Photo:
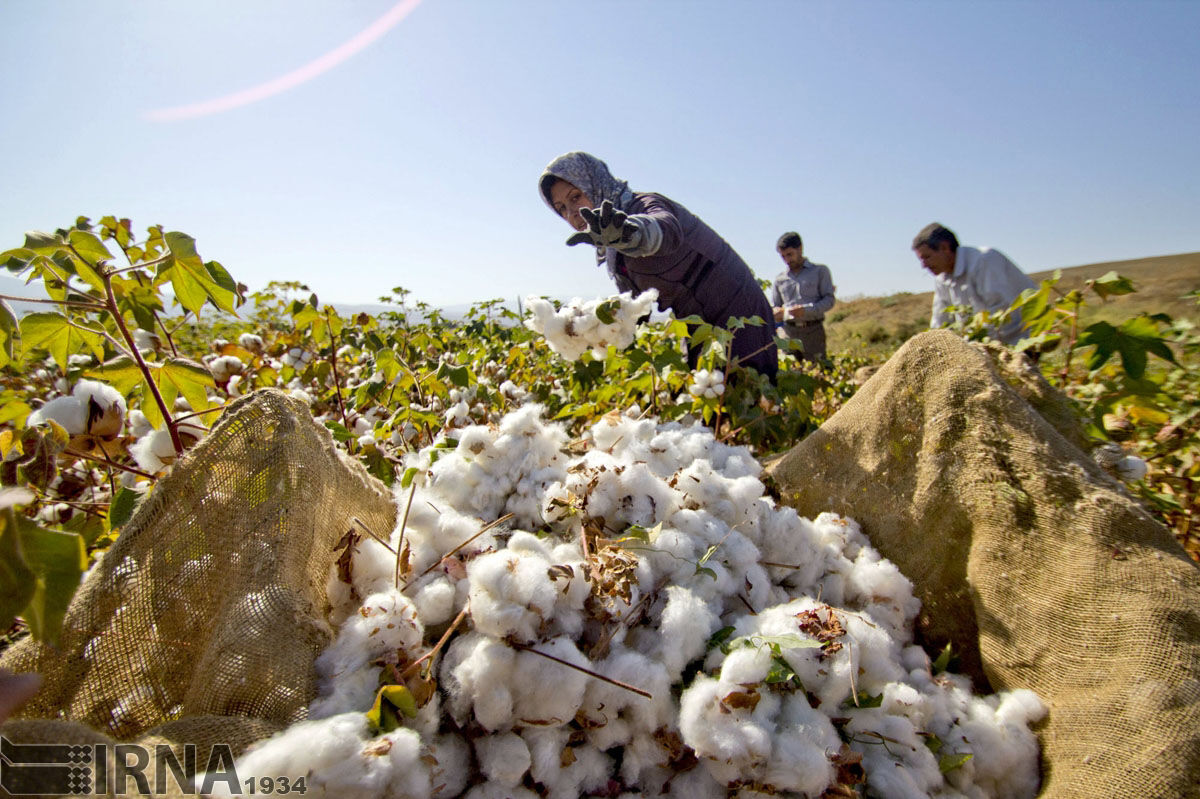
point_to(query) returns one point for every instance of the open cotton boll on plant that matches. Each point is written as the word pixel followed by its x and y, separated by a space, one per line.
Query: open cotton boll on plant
pixel 632 615
pixel 580 327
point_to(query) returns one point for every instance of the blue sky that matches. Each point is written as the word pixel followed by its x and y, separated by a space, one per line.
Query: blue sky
pixel 1059 132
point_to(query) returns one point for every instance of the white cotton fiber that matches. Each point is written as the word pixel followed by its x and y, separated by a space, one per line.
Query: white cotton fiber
pixel 435 601
pixel 541 683
pixel 503 758
pixel 684 629
pixel 338 760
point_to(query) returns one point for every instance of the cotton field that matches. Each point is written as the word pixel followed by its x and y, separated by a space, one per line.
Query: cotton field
pixel 629 615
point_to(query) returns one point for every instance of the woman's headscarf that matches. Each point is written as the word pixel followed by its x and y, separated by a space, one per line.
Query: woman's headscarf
pixel 590 175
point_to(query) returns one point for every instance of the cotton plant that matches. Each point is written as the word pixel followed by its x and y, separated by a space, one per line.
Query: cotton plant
pixel 590 326
pixel 707 384
pixel 629 614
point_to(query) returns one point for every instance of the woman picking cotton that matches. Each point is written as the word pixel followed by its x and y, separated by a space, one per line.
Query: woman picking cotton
pixel 649 241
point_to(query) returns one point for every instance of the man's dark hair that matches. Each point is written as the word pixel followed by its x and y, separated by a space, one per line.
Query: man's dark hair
pixel 790 239
pixel 934 234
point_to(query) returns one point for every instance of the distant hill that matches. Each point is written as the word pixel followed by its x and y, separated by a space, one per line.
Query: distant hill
pixel 877 325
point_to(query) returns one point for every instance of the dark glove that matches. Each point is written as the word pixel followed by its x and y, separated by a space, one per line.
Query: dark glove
pixel 607 227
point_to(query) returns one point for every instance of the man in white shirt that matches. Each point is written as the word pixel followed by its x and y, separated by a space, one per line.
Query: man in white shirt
pixel 967 277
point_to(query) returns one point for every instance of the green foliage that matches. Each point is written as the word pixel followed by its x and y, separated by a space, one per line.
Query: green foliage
pixel 148 316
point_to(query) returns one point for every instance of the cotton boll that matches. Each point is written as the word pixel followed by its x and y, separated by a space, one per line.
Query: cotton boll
pixel 1004 761
pixel 338 760
pixel 503 758
pixel 588 769
pixel 877 586
pixel 792 541
pixel 686 624
pixel 905 768
pixel 696 783
pixel 476 674
pixel 549 692
pixel 153 451
pixel 732 738
pixel 386 622
pixel 251 342
pixel 373 567
pixel 615 714
pixel 436 601
pixel 67 411
pixel 104 406
pixel 224 367
pixel 451 756
pixel 511 595
pixel 746 665
pixel 344 691
pixel 803 741
pixel 139 425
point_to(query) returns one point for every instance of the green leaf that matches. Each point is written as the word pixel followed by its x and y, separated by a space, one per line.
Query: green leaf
pixel 950 762
pixel 122 507
pixel 391 702
pixel 59 336
pixel 304 316
pixel 17 581
pixel 458 375
pixel 780 642
pixel 719 638
pixel 864 699
pixel 8 325
pixel 339 431
pixel 191 280
pixel 409 474
pixel 639 533
pixel 122 373
pixel 222 278
pixel 17 260
pixel 13 409
pixel 43 243
pixel 181 376
pixel 88 247
pixel 59 560
pixel 943 660
pixel 780 672
pixel 606 311
pixel 1111 285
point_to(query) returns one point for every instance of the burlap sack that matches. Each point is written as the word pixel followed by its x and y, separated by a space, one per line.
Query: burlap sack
pixel 1038 566
pixel 201 623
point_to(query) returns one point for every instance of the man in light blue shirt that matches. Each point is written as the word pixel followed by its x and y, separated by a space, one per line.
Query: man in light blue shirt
pixel 801 296
pixel 967 277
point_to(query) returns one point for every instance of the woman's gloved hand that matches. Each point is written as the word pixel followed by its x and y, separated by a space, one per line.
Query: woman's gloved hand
pixel 608 227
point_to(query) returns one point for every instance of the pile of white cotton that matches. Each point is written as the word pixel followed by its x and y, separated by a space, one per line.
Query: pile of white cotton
pixel 645 623
pixel 581 326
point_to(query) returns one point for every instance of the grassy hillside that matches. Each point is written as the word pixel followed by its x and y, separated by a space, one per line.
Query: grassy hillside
pixel 875 326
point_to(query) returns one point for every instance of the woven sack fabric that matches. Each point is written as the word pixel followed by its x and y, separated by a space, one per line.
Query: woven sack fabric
pixel 202 622
pixel 965 469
